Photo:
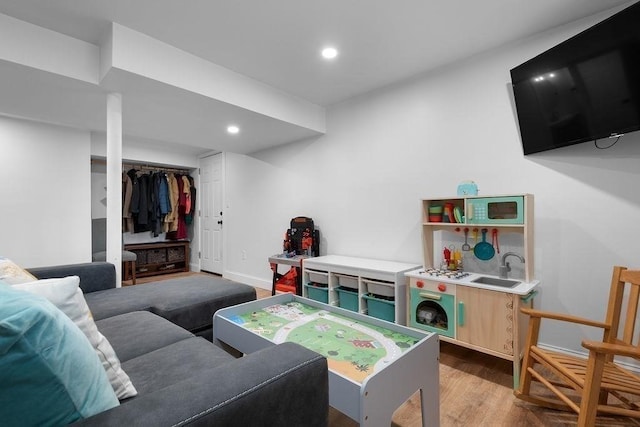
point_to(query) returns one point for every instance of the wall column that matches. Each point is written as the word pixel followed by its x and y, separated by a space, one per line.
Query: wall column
pixel 114 183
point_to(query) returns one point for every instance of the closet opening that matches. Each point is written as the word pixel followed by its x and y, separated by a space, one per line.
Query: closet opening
pixel 158 215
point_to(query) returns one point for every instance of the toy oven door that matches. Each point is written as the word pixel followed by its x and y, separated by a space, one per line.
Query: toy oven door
pixel 432 311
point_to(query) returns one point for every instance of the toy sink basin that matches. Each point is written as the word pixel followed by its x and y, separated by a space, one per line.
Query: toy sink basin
pixel 494 281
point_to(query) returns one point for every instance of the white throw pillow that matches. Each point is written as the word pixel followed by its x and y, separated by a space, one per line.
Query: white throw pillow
pixel 66 294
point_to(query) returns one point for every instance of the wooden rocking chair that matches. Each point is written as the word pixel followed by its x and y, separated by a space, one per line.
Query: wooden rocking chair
pixel 603 386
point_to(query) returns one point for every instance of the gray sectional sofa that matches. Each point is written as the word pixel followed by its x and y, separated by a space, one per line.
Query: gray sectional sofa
pixel 184 379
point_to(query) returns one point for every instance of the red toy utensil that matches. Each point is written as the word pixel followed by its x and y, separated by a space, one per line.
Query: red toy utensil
pixel 494 239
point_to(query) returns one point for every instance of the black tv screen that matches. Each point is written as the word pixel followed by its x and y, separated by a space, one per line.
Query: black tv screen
pixel 584 89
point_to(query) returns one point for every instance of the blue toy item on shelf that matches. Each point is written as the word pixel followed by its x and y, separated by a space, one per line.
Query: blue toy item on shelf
pixel 467 188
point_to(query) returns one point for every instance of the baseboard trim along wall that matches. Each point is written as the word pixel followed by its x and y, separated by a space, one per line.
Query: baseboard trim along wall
pixel 249 280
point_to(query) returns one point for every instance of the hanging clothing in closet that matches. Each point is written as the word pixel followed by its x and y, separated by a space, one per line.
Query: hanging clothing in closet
pixel 141 212
pixel 179 230
pixel 127 192
pixel 130 215
pixel 158 202
pixel 189 215
pixel 171 219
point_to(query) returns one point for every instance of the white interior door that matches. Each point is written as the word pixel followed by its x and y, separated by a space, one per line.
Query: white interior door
pixel 211 217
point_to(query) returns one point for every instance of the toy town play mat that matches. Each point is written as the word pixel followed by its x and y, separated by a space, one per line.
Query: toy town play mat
pixel 354 349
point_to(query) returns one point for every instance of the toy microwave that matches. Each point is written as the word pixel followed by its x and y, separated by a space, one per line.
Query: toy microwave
pixel 495 210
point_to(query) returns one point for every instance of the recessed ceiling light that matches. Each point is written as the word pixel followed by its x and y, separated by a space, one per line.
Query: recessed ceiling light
pixel 233 129
pixel 329 52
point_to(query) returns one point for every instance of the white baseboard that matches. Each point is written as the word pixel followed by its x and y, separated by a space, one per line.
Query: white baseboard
pixel 238 277
pixel 249 280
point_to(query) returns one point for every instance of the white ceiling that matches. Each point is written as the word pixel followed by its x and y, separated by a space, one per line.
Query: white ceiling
pixel 278 42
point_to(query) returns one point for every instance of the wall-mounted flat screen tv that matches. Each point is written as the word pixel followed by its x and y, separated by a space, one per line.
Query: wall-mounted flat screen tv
pixel 584 89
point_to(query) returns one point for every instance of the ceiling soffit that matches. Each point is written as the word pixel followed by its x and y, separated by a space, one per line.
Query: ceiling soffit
pixel 168 94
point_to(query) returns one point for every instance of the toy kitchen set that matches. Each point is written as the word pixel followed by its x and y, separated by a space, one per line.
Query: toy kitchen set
pixel 470 290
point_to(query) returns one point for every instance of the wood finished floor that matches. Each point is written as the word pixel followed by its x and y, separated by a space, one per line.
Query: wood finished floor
pixel 475 390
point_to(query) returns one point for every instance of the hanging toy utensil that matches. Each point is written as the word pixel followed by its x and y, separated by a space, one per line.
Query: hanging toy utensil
pixel 484 250
pixel 466 246
pixel 446 254
pixel 494 239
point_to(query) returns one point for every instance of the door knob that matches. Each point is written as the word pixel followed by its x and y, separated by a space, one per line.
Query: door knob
pixel 220 222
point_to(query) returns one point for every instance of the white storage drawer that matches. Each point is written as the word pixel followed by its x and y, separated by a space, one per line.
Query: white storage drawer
pixel 378 287
pixel 318 276
pixel 347 281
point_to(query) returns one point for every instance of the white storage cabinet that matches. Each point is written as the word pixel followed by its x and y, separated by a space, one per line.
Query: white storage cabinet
pixel 362 277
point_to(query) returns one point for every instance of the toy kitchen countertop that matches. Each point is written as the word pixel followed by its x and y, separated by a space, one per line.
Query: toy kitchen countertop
pixel 475 280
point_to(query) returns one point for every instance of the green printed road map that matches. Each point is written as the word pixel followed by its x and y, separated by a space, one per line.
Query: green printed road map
pixel 354 349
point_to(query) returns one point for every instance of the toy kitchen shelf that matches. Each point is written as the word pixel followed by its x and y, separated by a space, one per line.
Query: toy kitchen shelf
pixel 354 283
pixel 472 213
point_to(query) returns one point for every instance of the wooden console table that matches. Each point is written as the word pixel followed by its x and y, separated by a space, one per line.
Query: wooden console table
pixel 160 257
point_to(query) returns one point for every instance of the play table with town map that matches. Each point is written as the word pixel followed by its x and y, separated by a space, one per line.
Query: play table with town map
pixel 374 365
pixel 352 348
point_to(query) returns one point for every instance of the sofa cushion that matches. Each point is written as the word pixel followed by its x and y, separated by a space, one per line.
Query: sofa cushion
pixel 94 276
pixel 174 363
pixel 65 294
pixel 112 302
pixel 140 332
pixel 50 373
pixel 189 302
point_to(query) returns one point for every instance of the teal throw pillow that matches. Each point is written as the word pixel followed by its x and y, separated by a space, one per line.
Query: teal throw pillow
pixel 50 374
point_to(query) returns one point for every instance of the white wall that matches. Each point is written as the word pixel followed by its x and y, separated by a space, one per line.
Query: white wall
pixel 383 152
pixel 45 201
pixel 49 192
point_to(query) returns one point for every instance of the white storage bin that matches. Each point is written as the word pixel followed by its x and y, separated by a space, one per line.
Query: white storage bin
pixel 386 289
pixel 347 281
pixel 318 276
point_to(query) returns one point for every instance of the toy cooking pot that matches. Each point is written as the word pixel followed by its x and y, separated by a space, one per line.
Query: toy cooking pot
pixel 484 250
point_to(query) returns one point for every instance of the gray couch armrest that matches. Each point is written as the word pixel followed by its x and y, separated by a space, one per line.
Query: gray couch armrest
pixel 285 385
pixel 94 276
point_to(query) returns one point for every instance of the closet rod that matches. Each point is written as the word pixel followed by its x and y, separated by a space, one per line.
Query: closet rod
pixel 141 166
pixel 127 166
